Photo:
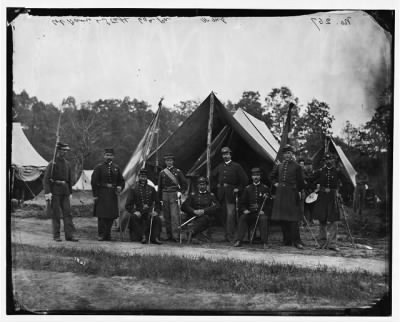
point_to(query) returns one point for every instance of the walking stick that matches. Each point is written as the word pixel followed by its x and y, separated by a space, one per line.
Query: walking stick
pixel 151 225
pixel 179 219
pixel 309 229
pixel 119 218
pixel 237 207
pixel 340 204
pixel 258 217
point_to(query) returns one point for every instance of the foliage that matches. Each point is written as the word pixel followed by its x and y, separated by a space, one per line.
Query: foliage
pixel 313 126
pixel 277 105
pixel 90 127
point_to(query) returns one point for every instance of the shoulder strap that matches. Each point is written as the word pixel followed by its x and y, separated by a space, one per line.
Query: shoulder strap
pixel 172 177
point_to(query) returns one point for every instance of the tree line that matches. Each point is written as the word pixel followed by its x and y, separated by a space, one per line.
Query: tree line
pixel 88 127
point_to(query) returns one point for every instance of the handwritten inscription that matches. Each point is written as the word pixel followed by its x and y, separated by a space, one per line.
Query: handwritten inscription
pixel 318 22
pixel 115 20
pixel 212 19
pixel 73 21
pixel 143 20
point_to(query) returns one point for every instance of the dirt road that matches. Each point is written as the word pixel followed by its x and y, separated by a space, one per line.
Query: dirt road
pixel 35 232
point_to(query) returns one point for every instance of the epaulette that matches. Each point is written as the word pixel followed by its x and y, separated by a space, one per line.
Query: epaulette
pixel 249 185
pixel 193 193
pixel 211 194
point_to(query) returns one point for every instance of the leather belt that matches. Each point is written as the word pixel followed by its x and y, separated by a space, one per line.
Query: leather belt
pixel 219 185
pixel 107 185
pixel 287 185
pixel 326 189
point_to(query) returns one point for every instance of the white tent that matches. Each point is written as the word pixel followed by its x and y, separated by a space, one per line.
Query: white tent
pixel 259 131
pixel 350 171
pixel 26 161
pixel 83 182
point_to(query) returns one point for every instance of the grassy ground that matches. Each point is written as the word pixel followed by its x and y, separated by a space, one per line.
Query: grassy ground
pixel 225 276
pixel 46 278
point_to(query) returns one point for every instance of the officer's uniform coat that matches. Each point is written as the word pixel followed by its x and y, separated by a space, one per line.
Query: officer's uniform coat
pixel 326 207
pixel 105 178
pixel 139 197
pixel 289 175
pixel 206 201
pixel 228 177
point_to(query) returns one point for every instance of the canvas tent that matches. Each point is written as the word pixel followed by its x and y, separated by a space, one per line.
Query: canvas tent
pixel 250 139
pixel 333 148
pixel 83 182
pixel 27 166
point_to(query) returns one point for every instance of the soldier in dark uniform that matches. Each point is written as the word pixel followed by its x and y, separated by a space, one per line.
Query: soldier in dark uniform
pixel 107 183
pixel 143 206
pixel 203 205
pixel 326 209
pixel 309 187
pixel 250 203
pixel 288 179
pixel 171 184
pixel 57 184
pixel 231 180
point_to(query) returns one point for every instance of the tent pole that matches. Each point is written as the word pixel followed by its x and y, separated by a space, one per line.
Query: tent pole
pixel 209 136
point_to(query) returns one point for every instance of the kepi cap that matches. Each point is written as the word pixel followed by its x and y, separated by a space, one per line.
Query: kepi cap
pixel 63 146
pixel 202 180
pixel 287 148
pixel 255 170
pixel 226 149
pixel 169 156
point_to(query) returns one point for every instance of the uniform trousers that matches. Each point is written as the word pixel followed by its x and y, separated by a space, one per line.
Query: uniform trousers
pixel 291 232
pixel 60 205
pixel 328 231
pixel 249 220
pixel 199 224
pixel 229 222
pixel 171 213
pixel 140 227
pixel 104 227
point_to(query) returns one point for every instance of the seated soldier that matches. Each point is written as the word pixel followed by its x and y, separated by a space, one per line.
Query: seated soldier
pixel 202 206
pixel 142 204
pixel 250 203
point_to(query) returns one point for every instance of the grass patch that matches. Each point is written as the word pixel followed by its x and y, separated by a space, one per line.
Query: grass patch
pixel 222 276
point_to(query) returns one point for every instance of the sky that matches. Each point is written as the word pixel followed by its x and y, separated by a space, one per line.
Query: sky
pixel 345 61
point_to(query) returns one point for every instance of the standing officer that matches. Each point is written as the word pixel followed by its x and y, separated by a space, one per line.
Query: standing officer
pixel 231 179
pixel 309 187
pixel 142 204
pixel 203 205
pixel 107 183
pixel 288 179
pixel 58 190
pixel 326 208
pixel 250 204
pixel 171 184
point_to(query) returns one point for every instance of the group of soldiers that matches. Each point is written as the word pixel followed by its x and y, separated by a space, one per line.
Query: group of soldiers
pixel 236 205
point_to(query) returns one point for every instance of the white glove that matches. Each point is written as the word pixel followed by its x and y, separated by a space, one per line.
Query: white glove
pixel 137 214
pixel 154 214
pixel 178 194
pixel 47 196
pixel 246 212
